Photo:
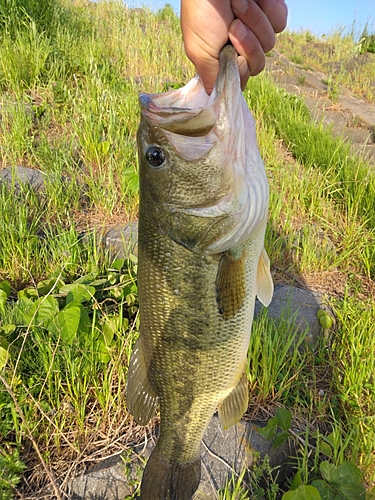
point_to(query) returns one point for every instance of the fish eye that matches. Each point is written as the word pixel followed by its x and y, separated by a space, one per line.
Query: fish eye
pixel 155 156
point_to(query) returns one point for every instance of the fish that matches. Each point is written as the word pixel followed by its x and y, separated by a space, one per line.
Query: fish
pixel 203 208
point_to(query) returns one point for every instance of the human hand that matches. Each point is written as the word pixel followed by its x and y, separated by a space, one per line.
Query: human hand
pixel 249 25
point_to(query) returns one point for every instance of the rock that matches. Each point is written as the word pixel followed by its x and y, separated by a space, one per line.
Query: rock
pixel 23 176
pixel 106 482
pixel 223 453
pixel 121 240
pixel 299 304
pixel 20 177
pixel 226 451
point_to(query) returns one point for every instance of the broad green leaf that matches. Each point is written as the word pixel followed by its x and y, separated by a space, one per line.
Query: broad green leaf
pixel 327 469
pixel 118 264
pixel 284 418
pixel 45 309
pixel 110 327
pixel 325 491
pixel 41 311
pixel 77 292
pixel 331 439
pixel 303 492
pixel 84 322
pixel 4 354
pixel 346 479
pixel 103 147
pixel 23 306
pixel 7 329
pixel 130 299
pixel 65 324
pixel 104 353
pixel 28 293
pixel 45 286
pixel 117 292
pixel 5 286
pixel 279 439
pixel 99 282
pixel 124 278
pixel 297 481
pixel 326 449
pixel 269 431
pixel 3 299
pixel 112 278
pixel 132 180
pixel 133 258
pixel 87 278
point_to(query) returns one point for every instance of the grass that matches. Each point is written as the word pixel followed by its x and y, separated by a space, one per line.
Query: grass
pixel 70 75
pixel 346 56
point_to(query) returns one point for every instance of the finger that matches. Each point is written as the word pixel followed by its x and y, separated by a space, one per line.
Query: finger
pixel 207 71
pixel 276 12
pixel 248 46
pixel 256 21
pixel 244 71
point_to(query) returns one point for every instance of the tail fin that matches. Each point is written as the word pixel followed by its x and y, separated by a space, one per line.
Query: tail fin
pixel 165 481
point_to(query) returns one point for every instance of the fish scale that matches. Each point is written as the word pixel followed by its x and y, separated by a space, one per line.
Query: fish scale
pixel 202 219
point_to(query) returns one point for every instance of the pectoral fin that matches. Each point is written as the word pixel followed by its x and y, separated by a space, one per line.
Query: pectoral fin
pixel 264 288
pixel 141 398
pixel 230 284
pixel 235 405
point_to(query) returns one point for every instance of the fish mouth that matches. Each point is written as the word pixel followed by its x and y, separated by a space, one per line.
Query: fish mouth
pixel 190 111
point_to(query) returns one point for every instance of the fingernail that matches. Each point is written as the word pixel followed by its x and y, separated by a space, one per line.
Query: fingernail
pixel 238 29
pixel 240 5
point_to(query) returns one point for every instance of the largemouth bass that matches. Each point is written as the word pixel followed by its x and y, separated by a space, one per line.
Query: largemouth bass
pixel 202 218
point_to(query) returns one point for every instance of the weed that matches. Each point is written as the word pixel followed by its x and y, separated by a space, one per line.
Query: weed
pixel 344 49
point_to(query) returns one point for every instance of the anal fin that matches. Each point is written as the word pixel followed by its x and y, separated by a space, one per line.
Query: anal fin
pixel 235 404
pixel 141 398
pixel 230 284
pixel 264 287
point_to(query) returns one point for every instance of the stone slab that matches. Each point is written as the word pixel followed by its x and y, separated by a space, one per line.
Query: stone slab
pixel 223 454
pixel 121 240
pixel 23 176
pixel 300 304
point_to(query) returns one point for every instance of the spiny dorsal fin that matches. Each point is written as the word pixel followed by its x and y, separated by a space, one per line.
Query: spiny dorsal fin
pixel 230 284
pixel 141 398
pixel 264 287
pixel 234 405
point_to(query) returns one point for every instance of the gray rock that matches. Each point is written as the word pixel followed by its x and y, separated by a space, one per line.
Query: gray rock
pixel 299 304
pixel 121 240
pixel 224 453
pixel 106 482
pixel 19 177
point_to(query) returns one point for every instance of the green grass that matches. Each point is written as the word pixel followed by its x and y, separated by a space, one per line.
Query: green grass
pixel 345 56
pixel 69 82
